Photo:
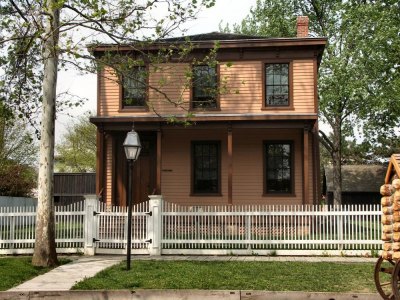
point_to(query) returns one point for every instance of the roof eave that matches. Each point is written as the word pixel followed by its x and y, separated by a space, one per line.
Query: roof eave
pixel 225 44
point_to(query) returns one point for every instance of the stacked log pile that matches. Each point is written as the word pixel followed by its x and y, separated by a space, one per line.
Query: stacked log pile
pixel 391 220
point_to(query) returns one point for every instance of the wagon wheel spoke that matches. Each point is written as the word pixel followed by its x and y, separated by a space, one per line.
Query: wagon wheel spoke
pixel 395 281
pixel 383 275
pixel 386 283
pixel 386 270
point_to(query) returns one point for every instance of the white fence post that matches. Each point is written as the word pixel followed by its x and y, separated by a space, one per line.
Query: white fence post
pixel 91 205
pixel 12 231
pixel 154 224
pixel 248 232
pixel 340 229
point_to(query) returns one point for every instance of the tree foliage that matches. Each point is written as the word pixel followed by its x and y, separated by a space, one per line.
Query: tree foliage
pixel 17 180
pixel 81 23
pixel 18 160
pixel 38 38
pixel 359 74
pixel 77 150
pixel 270 18
pixel 17 143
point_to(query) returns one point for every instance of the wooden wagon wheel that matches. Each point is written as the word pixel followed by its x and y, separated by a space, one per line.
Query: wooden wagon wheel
pixel 383 278
pixel 396 281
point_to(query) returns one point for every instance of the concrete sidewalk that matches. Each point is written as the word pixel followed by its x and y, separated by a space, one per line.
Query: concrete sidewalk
pixel 57 283
pixel 64 277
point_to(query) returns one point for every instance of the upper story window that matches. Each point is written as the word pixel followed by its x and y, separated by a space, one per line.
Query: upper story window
pixel 206 171
pixel 277 85
pixel 278 167
pixel 205 87
pixel 134 88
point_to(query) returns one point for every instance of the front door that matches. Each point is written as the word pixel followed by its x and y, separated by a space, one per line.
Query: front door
pixel 144 170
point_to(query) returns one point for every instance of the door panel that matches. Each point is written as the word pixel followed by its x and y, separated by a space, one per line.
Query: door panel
pixel 144 170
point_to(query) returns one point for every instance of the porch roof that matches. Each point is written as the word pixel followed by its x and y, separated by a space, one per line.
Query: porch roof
pixel 206 117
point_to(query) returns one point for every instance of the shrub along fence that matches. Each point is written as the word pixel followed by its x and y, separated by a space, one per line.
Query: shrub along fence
pixel 159 227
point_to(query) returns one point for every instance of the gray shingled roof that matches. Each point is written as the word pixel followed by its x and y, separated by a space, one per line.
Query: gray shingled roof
pixel 213 36
pixel 358 178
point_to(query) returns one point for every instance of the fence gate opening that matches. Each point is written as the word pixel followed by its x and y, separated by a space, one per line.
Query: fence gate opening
pixel 109 227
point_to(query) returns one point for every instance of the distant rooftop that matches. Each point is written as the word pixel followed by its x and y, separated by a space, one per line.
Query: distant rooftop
pixel 358 178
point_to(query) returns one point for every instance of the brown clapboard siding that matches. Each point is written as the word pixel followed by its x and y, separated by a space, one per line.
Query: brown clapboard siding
pixel 109 93
pixel 247 159
pixel 243 87
pixel 176 166
pixel 242 91
pixel 303 86
pixel 169 79
pixel 248 166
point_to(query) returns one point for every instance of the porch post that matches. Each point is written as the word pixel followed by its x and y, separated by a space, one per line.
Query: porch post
pixel 158 178
pixel 230 165
pixel 99 160
pixel 154 229
pixel 90 233
pixel 305 165
pixel 316 163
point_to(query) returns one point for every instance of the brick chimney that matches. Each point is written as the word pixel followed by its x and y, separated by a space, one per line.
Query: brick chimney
pixel 302 26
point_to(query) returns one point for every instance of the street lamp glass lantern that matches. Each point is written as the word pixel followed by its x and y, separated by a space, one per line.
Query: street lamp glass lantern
pixel 132 145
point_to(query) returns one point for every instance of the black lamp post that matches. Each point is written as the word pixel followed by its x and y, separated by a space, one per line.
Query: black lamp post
pixel 132 149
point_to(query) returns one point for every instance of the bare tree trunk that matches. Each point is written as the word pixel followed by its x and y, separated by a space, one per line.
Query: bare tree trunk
pixel 337 178
pixel 45 247
pixel 2 135
pixel 337 166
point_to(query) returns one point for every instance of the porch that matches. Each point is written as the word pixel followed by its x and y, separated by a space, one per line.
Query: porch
pixel 240 171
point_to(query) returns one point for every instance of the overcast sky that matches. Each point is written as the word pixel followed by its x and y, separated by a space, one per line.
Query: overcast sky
pixel 227 11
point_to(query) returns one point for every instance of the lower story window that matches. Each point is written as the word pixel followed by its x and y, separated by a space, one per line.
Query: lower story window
pixel 278 167
pixel 206 167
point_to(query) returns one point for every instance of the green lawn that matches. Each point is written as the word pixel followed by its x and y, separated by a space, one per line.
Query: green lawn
pixel 16 270
pixel 272 276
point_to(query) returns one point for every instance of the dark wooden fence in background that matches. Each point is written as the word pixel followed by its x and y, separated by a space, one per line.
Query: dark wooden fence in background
pixel 70 187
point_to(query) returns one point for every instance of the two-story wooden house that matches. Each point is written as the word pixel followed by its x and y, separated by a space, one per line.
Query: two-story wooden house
pixel 253 142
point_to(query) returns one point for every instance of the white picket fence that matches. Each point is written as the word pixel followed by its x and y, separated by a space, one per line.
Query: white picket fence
pixel 17 228
pixel 265 230
pixel 159 227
